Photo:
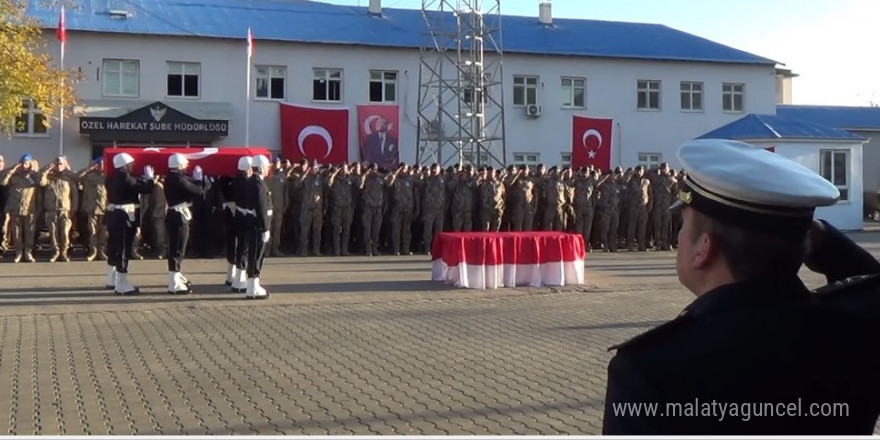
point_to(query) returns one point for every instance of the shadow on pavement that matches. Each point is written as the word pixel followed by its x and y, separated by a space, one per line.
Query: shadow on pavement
pixel 615 325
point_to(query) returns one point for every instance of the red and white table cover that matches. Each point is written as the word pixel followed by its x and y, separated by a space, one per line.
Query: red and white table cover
pixel 489 260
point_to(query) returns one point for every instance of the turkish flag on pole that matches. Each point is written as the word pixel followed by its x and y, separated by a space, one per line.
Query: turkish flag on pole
pixel 316 134
pixel 61 32
pixel 591 142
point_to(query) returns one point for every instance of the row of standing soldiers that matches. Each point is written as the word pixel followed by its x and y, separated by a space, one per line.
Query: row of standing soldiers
pixel 360 208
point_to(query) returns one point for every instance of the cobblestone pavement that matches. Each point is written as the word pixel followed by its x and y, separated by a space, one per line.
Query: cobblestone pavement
pixel 344 346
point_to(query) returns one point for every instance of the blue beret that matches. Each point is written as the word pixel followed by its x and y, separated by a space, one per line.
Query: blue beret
pixel 26 157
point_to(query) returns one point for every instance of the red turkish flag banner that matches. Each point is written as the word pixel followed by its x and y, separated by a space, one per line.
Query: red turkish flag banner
pixel 61 31
pixel 379 135
pixel 215 162
pixel 591 142
pixel 316 134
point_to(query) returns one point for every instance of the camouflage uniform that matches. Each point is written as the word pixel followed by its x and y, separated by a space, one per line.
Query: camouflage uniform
pixel 639 199
pixel 373 194
pixel 608 207
pixel 21 205
pixel 433 212
pixel 662 219
pixel 312 213
pixel 402 212
pixel 555 201
pixel 93 203
pixel 291 230
pixel 277 184
pixel 462 205
pixel 538 183
pixel 60 199
pixel 492 205
pixel 522 202
pixel 342 212
pixel 583 206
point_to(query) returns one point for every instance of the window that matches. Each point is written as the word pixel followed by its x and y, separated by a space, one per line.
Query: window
pixel 383 86
pixel 650 160
pixel 691 96
pixel 648 95
pixel 183 79
pixel 530 159
pixel 31 121
pixel 573 92
pixel 834 166
pixel 327 85
pixel 525 90
pixel 469 157
pixel 270 82
pixel 732 97
pixel 566 160
pixel 120 78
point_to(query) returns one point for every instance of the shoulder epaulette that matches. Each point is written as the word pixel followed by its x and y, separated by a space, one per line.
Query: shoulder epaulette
pixel 661 329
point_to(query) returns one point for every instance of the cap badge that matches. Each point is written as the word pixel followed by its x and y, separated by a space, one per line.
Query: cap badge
pixel 685 196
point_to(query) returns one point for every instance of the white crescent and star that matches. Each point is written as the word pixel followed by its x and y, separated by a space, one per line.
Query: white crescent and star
pixel 592 132
pixel 315 130
pixel 205 153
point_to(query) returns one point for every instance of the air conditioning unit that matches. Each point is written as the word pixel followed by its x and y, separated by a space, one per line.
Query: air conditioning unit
pixel 533 110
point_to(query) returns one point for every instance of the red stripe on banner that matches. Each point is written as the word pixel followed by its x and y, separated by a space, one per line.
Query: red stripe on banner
pixel 523 248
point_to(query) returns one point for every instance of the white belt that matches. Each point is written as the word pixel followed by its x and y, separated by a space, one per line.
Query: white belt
pixel 246 211
pixel 129 208
pixel 183 209
pixel 230 206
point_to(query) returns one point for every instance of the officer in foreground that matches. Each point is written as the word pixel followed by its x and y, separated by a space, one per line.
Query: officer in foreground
pixel 123 219
pixel 180 191
pixel 755 336
pixel 238 189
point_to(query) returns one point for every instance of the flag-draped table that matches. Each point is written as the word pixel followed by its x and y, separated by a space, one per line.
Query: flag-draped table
pixel 489 260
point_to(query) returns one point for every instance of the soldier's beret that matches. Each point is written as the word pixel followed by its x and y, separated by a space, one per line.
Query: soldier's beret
pixel 750 187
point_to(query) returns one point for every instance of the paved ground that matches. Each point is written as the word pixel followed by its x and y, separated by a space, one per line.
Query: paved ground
pixel 345 346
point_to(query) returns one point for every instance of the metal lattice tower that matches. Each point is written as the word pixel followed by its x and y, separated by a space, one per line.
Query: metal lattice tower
pixel 461 97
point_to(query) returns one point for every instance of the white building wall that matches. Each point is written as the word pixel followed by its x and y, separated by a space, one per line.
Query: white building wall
pixel 845 215
pixel 611 92
pixel 871 156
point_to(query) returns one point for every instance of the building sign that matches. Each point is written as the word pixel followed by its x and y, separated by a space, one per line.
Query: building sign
pixel 155 122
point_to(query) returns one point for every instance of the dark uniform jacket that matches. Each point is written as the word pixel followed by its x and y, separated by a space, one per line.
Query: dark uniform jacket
pixel 181 189
pixel 259 200
pixel 124 189
pixel 773 349
pixel 238 190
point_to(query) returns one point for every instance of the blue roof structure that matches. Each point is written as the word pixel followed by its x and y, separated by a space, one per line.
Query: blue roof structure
pixel 845 118
pixel 771 127
pixel 316 22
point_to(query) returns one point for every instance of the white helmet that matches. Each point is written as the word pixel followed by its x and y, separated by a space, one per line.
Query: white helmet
pixel 121 160
pixel 245 163
pixel 177 161
pixel 261 161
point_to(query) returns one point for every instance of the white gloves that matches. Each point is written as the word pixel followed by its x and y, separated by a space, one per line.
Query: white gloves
pixel 266 237
pixel 198 175
pixel 149 173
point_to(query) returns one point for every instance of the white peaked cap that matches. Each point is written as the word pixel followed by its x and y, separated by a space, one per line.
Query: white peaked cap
pixel 244 163
pixel 122 159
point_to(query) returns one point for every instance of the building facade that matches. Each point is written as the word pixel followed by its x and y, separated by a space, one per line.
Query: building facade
pixel 138 73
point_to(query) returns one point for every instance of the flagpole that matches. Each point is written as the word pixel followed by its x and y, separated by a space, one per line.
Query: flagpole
pixel 61 117
pixel 247 98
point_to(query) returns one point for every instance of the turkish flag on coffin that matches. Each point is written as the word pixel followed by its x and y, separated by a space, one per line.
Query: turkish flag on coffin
pixel 214 161
pixel 316 134
pixel 591 142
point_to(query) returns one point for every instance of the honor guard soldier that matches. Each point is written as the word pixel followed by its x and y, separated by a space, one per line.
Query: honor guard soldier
pixel 755 337
pixel 258 210
pixel 238 190
pixel 180 191
pixel 123 219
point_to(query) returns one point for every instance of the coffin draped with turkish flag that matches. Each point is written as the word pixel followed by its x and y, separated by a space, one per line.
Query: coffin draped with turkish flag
pixel 591 142
pixel 222 161
pixel 315 134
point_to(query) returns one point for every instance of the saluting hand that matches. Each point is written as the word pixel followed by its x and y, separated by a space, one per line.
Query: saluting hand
pixel 149 173
pixel 198 175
